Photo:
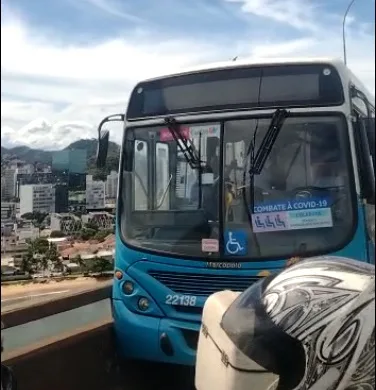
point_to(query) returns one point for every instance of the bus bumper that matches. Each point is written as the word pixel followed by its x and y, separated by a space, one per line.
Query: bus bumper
pixel 154 339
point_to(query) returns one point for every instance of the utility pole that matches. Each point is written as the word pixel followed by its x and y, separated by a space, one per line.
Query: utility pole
pixel 343 30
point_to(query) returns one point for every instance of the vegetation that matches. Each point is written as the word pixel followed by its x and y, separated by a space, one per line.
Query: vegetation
pixel 40 256
pixel 98 264
pixel 57 234
pixel 27 154
pixel 101 265
pixel 79 261
pixel 91 231
pixel 88 232
pixel 36 217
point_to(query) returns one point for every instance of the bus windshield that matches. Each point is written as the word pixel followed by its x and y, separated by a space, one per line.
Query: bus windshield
pixel 166 206
pixel 302 199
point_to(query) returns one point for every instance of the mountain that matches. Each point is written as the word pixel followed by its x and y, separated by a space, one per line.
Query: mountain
pixel 31 156
pixel 27 154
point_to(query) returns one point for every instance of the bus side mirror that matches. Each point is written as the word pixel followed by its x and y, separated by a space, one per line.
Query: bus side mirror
pixel 102 150
pixel 103 138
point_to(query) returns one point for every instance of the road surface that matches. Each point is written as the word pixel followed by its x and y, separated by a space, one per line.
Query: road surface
pixel 31 294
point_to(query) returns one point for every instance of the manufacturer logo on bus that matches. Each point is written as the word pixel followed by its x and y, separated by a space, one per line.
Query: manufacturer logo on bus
pixel 223 265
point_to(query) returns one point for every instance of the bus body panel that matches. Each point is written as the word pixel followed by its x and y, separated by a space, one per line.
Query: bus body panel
pixel 165 279
pixel 138 335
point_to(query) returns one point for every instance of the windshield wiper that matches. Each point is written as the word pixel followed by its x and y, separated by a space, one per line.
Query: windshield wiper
pixel 263 152
pixel 256 163
pixel 191 155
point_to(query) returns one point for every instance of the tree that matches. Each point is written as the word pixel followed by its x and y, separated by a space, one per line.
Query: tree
pixel 27 262
pixel 39 254
pixel 28 216
pixel 87 234
pixel 91 225
pixel 101 264
pixel 81 262
pixel 57 234
pixel 112 163
pixel 40 245
pixel 36 218
pixel 101 235
pixel 100 174
pixel 52 253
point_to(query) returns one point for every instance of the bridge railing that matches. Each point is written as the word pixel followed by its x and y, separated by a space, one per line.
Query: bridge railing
pixel 62 344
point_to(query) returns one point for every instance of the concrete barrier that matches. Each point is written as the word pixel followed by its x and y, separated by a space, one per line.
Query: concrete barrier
pixel 37 311
pixel 83 359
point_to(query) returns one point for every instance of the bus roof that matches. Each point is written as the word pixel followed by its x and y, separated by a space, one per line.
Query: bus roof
pixel 346 74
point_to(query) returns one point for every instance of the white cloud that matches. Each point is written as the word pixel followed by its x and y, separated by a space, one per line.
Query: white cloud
pixel 297 13
pixel 109 7
pixel 74 86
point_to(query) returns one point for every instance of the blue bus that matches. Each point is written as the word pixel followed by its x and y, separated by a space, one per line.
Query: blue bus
pixel 227 174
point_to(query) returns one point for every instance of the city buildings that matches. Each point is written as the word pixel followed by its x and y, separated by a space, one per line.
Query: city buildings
pixel 95 193
pixel 102 219
pixel 111 186
pixel 37 198
pixel 67 223
pixel 64 192
pixel 8 184
pixel 61 198
pixel 72 161
pixel 9 211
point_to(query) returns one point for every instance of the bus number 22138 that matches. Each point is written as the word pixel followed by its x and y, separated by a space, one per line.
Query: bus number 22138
pixel 180 300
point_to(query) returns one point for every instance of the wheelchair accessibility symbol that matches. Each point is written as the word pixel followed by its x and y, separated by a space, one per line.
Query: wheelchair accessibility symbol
pixel 236 243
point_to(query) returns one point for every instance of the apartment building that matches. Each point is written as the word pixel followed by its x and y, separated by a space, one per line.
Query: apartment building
pixel 95 193
pixel 37 198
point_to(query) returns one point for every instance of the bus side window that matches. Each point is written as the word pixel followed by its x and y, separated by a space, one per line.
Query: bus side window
pixel 370 126
pixel 140 178
pixel 364 153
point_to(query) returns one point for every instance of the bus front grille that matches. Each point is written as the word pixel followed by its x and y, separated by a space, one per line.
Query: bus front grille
pixel 202 284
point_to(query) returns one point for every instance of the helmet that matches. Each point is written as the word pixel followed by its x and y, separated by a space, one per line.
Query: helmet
pixel 312 325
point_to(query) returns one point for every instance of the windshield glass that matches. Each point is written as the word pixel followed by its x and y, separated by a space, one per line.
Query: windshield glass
pixel 302 201
pixel 302 198
pixel 167 208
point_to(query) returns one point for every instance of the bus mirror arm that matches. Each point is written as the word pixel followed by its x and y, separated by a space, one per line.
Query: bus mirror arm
pixel 104 137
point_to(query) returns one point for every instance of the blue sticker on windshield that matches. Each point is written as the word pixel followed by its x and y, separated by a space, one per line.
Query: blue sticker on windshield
pixel 292 215
pixel 236 242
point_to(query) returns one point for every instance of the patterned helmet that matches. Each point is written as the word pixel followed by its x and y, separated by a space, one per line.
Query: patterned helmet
pixel 313 325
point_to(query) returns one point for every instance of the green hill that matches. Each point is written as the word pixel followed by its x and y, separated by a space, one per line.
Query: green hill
pixel 32 156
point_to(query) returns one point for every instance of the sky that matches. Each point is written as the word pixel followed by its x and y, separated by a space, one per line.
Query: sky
pixel 66 64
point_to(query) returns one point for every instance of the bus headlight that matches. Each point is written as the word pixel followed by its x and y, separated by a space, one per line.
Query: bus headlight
pixel 128 287
pixel 143 304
